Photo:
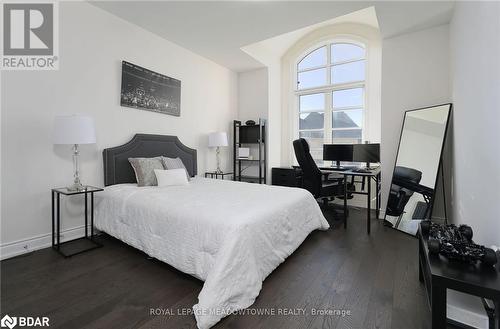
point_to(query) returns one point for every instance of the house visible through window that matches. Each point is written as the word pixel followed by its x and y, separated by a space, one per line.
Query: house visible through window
pixel 330 91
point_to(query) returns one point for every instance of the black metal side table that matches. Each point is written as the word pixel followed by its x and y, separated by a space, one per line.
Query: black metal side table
pixel 216 175
pixel 79 245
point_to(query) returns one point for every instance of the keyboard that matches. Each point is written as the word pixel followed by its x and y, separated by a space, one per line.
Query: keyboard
pixel 335 168
pixel 362 170
pixel 339 168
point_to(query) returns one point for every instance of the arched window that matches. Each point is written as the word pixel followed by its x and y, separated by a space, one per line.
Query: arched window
pixel 330 95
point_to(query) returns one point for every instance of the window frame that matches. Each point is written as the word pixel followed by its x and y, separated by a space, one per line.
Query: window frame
pixel 329 88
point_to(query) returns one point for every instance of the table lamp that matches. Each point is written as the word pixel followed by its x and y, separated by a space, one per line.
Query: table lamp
pixel 217 139
pixel 74 130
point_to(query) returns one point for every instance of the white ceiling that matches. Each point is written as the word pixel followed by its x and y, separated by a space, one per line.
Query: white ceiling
pixel 266 51
pixel 218 30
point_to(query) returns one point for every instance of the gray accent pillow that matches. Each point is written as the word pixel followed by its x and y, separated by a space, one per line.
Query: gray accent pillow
pixel 171 163
pixel 144 169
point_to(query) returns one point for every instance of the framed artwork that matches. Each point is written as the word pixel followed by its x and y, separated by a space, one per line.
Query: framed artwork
pixel 147 90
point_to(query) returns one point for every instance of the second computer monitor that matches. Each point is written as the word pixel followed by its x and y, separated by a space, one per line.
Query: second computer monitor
pixel 337 152
pixel 369 153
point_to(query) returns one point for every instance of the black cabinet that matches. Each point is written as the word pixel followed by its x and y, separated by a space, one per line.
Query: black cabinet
pixel 288 176
pixel 252 134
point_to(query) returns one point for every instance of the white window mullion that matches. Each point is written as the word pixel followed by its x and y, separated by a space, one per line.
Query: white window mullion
pixel 349 61
pixel 330 96
pixel 328 61
pixel 311 69
pixel 328 121
pixel 328 118
pixel 364 122
pixel 313 110
pixel 339 86
pixel 348 108
pixel 311 129
pixel 348 128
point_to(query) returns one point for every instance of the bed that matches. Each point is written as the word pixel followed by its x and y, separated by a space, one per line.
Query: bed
pixel 231 235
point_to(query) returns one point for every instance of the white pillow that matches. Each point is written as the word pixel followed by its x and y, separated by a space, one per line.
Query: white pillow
pixel 171 177
pixel 171 163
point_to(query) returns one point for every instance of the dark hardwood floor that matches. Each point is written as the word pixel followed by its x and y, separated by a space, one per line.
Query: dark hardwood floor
pixel 374 277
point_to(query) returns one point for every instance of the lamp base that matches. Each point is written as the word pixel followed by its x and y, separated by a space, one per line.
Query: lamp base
pixel 218 171
pixel 76 187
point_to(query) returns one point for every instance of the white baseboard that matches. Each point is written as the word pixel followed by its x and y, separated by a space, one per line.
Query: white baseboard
pixel 19 247
pixel 470 318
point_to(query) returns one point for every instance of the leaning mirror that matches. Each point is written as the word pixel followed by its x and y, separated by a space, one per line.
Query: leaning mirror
pixel 415 174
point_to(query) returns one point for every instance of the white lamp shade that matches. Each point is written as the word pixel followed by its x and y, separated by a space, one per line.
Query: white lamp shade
pixel 217 139
pixel 73 129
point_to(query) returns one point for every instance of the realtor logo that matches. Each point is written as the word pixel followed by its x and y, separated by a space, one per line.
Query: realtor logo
pixel 28 29
pixel 29 36
pixel 8 321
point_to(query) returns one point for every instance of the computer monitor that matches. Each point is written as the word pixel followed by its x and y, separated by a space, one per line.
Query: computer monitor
pixel 337 152
pixel 369 153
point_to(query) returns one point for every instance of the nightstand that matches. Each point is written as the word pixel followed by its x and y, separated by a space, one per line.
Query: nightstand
pixel 79 245
pixel 213 174
pixel 440 274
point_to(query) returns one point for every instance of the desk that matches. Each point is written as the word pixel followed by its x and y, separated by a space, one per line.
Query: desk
pixel 286 176
pixel 439 274
pixel 374 174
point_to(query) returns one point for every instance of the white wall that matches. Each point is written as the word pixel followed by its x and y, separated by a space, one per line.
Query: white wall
pixel 92 45
pixel 475 48
pixel 252 105
pixel 275 119
pixel 475 77
pixel 415 73
pixel 252 95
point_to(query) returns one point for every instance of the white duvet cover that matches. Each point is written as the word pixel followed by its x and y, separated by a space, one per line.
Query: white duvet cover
pixel 229 234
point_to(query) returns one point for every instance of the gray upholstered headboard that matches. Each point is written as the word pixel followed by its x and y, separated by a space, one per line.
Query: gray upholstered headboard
pixel 117 169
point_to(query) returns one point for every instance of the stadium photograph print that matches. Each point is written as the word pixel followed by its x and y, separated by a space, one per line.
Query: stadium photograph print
pixel 150 91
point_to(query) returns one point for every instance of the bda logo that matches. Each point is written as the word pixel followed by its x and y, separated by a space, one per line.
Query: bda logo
pixel 8 321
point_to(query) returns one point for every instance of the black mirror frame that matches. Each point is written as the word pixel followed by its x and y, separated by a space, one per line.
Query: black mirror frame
pixel 450 109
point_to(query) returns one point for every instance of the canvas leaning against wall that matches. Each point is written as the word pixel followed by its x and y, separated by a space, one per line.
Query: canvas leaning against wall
pixel 147 90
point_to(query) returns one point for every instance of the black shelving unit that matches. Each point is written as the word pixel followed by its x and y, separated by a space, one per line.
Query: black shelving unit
pixel 253 137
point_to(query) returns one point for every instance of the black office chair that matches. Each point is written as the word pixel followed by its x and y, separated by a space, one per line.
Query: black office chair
pixel 398 195
pixel 312 178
